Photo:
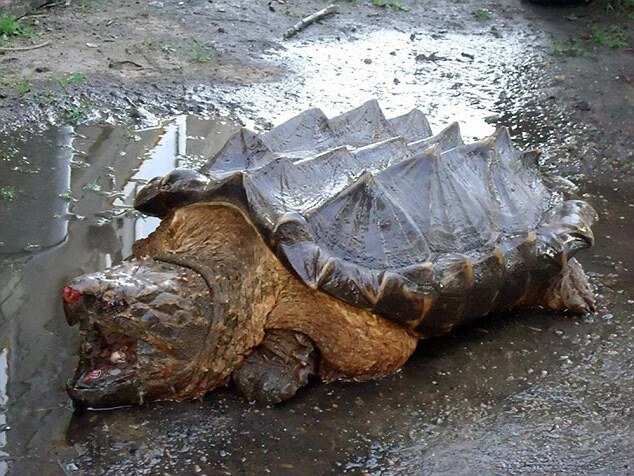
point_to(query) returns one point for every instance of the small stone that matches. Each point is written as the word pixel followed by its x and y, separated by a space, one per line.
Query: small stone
pixel 367 61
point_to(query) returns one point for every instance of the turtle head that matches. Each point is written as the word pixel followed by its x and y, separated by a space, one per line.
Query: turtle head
pixel 144 328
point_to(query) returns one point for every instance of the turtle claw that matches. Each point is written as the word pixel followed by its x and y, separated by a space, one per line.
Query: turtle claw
pixel 571 291
pixel 278 368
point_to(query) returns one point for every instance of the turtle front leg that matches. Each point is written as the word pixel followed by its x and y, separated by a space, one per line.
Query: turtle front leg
pixel 571 291
pixel 276 369
pixel 353 343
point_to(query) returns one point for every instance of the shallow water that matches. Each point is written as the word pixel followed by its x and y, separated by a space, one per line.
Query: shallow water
pixel 449 76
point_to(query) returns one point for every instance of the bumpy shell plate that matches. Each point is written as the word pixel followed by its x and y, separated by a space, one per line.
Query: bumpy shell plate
pixel 386 216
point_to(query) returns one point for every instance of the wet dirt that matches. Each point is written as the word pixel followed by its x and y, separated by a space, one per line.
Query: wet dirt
pixel 533 393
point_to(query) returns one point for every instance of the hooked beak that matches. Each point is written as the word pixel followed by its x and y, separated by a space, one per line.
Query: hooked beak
pixel 106 374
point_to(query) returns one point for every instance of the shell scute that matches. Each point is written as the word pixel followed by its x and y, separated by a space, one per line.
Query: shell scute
pixel 359 206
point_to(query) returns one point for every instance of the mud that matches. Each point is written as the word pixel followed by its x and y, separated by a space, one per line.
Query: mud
pixel 533 393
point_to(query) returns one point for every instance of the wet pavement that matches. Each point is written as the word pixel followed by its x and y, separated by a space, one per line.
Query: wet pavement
pixel 515 394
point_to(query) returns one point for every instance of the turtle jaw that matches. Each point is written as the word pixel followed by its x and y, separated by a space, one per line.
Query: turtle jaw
pixel 145 334
pixel 121 361
pixel 102 387
pixel 108 370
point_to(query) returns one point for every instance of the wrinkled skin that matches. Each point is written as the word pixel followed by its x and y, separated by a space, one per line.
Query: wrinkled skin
pixel 142 325
pixel 180 319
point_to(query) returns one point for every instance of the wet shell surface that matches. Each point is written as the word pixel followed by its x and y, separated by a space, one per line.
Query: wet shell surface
pixel 422 229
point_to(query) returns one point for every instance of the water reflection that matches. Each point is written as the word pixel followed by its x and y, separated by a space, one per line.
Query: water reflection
pixel 68 213
pixel 35 190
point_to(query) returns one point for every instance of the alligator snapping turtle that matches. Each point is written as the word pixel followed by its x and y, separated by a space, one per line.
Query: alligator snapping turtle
pixel 323 247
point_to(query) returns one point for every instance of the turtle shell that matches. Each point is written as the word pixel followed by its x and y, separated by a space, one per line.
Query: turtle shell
pixel 384 215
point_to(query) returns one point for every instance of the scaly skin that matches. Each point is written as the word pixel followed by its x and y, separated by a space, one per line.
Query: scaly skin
pixel 250 292
pixel 571 291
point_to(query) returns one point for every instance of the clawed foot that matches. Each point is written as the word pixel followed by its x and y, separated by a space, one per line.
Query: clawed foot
pixel 572 291
pixel 277 368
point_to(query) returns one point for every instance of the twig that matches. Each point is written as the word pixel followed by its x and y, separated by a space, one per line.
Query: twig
pixel 304 22
pixel 24 48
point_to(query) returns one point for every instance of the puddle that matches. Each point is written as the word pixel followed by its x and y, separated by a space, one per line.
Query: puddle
pixel 450 77
pixel 91 176
pixel 68 213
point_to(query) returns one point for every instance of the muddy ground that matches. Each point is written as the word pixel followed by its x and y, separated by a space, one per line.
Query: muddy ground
pixel 127 90
pixel 540 69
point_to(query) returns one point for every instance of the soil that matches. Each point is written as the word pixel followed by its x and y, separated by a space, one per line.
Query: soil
pixel 126 91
